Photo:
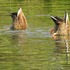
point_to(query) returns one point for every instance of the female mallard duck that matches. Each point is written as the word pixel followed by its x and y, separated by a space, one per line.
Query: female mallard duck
pixel 62 26
pixel 19 21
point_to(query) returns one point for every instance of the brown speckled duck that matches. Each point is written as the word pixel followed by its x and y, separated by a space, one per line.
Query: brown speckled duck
pixel 19 21
pixel 62 26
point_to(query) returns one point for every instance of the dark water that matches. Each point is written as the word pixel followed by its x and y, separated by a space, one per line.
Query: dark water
pixel 33 49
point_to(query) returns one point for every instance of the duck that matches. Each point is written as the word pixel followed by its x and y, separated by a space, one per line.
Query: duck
pixel 19 21
pixel 62 25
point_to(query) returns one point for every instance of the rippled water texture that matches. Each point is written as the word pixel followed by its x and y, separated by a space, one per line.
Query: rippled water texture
pixel 33 49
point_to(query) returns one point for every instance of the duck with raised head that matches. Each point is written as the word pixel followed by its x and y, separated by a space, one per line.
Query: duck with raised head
pixel 19 21
pixel 62 26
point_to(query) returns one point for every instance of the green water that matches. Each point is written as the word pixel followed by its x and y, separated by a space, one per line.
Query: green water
pixel 33 49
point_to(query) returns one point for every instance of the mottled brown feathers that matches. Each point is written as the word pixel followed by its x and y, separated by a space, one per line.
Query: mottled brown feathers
pixel 19 21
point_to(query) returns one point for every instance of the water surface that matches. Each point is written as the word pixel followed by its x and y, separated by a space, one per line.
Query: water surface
pixel 33 49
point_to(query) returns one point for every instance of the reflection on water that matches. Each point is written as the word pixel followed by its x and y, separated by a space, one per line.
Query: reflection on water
pixel 33 49
pixel 62 44
pixel 24 49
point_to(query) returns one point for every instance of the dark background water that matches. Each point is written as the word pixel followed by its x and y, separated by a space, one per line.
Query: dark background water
pixel 33 49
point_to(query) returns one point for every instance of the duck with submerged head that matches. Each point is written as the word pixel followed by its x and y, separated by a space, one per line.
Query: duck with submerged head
pixel 19 21
pixel 61 27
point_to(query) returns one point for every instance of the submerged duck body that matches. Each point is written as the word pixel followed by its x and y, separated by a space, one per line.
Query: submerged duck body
pixel 62 26
pixel 19 21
